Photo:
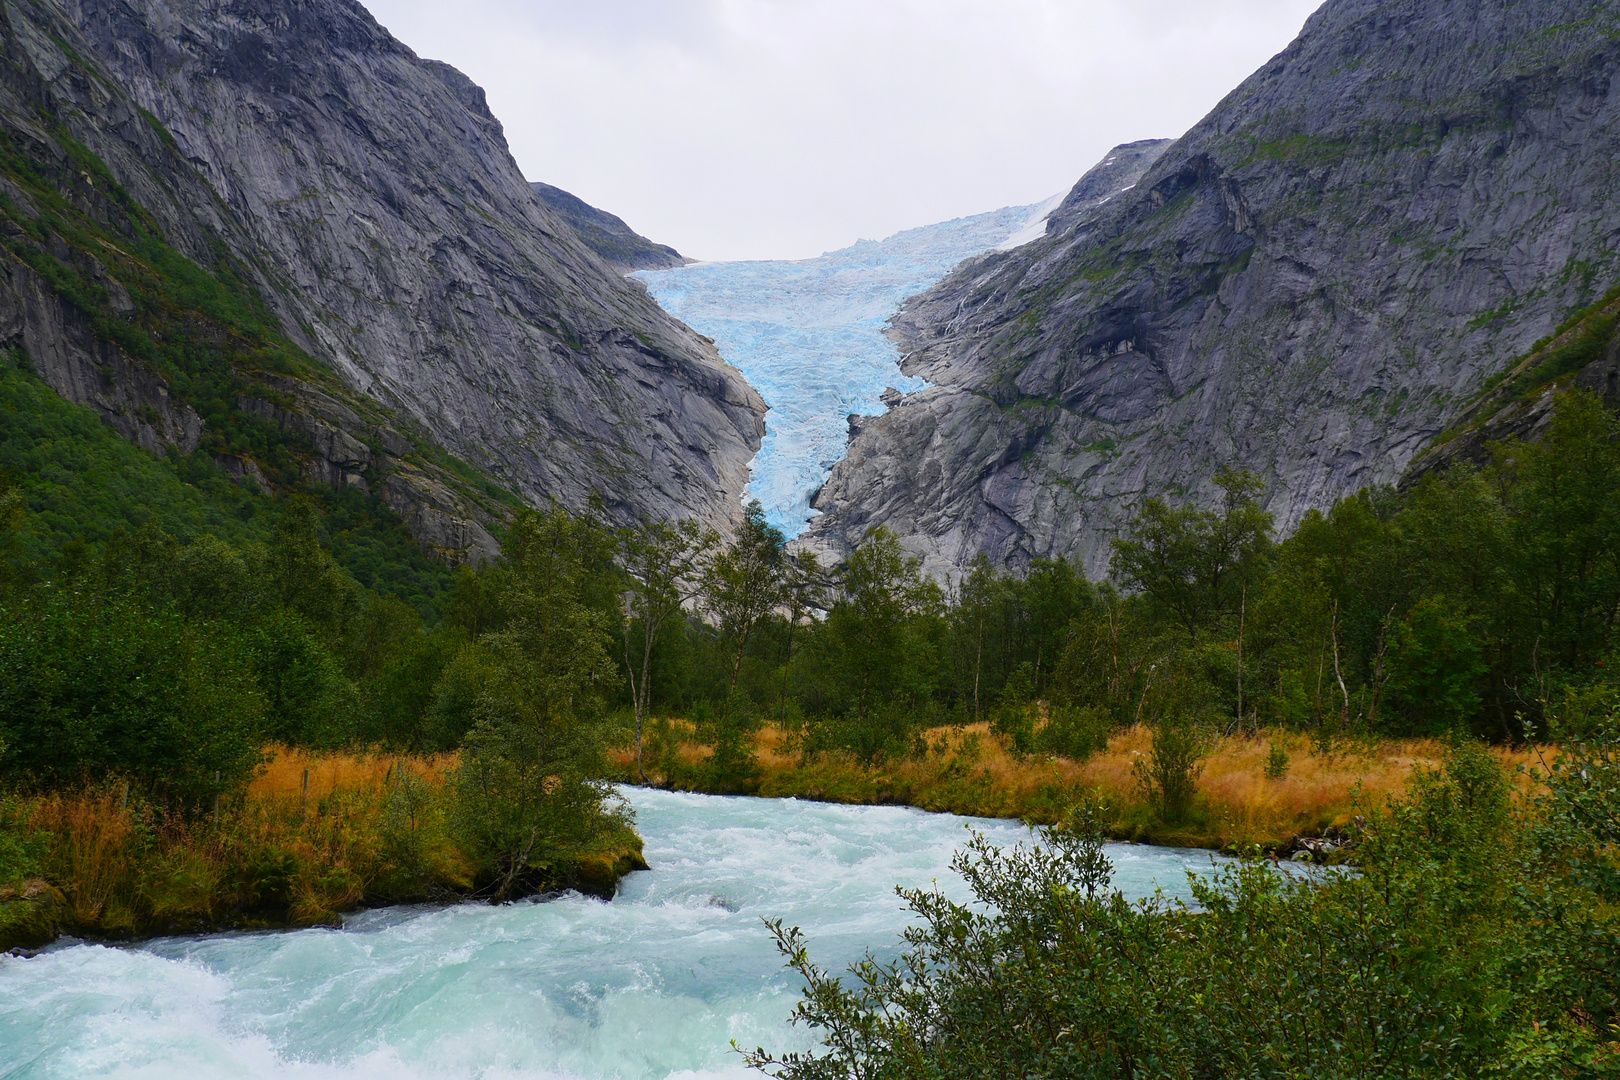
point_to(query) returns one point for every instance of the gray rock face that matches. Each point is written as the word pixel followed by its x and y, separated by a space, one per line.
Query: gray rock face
pixel 55 105
pixel 1523 404
pixel 399 243
pixel 65 352
pixel 1118 172
pixel 614 242
pixel 1307 284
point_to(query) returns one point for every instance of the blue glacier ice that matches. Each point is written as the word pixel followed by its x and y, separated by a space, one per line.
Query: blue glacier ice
pixel 809 335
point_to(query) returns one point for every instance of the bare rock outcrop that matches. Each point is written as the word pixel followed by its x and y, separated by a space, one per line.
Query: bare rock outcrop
pixel 1307 284
pixel 412 255
pixel 614 242
pixel 369 198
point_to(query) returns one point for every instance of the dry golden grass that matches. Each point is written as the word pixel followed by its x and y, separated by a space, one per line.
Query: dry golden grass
pixel 96 830
pixel 331 771
pixel 274 854
pixel 968 770
pixel 267 858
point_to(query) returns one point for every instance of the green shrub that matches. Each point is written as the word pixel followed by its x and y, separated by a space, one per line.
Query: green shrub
pixel 1464 946
pixel 1014 717
pixel 1075 732
pixel 94 685
pixel 1168 775
pixel 21 849
pixel 732 766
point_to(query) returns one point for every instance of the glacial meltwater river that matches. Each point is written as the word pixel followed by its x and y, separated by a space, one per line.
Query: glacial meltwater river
pixel 655 984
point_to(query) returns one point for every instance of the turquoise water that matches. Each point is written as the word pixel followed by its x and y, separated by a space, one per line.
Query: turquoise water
pixel 655 984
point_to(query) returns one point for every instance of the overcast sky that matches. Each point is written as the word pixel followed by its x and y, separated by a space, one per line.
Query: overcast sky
pixel 746 129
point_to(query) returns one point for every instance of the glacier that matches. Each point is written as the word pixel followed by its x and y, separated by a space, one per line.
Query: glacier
pixel 808 334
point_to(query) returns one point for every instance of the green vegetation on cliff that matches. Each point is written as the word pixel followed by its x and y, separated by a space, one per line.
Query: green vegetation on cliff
pixel 83 485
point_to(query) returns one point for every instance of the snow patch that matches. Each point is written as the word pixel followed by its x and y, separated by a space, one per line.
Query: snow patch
pixel 1035 227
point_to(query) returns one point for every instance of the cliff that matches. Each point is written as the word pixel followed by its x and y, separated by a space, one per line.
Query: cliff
pixel 1520 401
pixel 1309 283
pixel 272 232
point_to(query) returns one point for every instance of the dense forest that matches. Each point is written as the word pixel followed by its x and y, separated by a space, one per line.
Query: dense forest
pixel 170 648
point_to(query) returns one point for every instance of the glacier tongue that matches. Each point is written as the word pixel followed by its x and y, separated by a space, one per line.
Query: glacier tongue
pixel 808 334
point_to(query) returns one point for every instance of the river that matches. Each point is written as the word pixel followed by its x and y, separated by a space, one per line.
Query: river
pixel 655 984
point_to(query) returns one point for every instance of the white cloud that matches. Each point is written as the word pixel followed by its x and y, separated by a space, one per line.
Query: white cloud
pixel 784 128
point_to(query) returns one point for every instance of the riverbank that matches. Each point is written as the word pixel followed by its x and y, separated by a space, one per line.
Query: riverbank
pixel 1310 791
pixel 318 835
pixel 312 837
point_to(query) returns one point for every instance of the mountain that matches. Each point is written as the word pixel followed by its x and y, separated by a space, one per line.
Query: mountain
pixel 1520 401
pixel 614 242
pixel 809 333
pixel 1310 283
pixel 270 233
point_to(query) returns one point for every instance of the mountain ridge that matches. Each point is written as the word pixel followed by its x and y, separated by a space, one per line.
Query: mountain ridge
pixel 1303 285
pixel 614 242
pixel 368 199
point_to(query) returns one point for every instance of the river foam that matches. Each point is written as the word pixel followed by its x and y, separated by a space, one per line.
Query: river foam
pixel 654 985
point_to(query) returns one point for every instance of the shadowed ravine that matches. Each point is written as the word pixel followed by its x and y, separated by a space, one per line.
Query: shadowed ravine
pixel 655 984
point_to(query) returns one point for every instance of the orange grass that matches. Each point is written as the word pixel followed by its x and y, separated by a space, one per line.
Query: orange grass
pixel 328 772
pixel 124 866
pixel 968 770
pixel 276 854
pixel 119 866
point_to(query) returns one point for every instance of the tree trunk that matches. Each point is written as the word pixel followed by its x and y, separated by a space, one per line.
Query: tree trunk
pixel 786 664
pixel 645 694
pixel 1344 716
pixel 736 665
pixel 1243 606
pixel 978 668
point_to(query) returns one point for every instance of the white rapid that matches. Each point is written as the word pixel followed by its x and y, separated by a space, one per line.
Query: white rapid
pixel 655 984
pixel 809 335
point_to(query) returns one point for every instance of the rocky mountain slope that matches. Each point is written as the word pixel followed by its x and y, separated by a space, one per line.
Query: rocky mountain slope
pixel 614 242
pixel 1520 401
pixel 1308 284
pixel 809 333
pixel 272 232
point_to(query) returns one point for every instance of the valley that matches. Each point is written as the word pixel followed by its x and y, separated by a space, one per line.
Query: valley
pixel 446 632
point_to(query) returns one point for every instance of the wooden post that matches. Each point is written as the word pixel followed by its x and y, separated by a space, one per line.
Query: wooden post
pixel 216 798
pixel 306 795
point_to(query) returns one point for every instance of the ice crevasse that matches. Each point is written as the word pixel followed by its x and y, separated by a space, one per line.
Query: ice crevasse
pixel 809 335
